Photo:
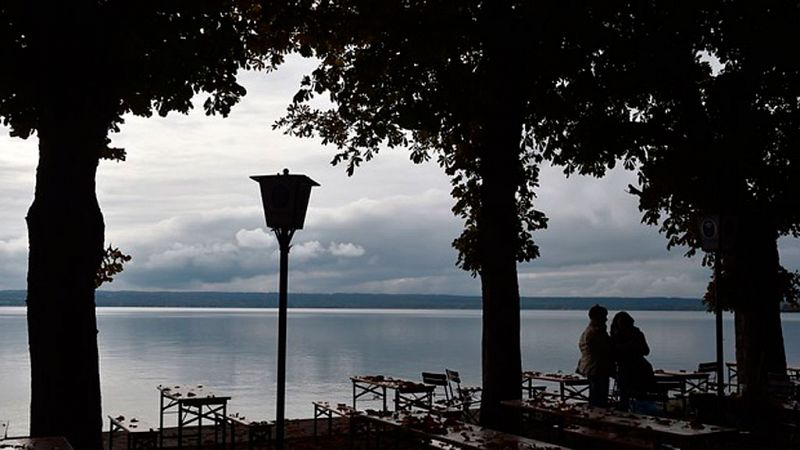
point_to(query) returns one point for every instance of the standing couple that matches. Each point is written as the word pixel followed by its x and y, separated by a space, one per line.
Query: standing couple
pixel 621 355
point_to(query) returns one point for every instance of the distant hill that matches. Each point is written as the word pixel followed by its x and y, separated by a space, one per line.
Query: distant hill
pixel 373 301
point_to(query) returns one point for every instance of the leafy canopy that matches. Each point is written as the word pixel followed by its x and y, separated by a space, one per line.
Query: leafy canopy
pixel 702 98
pixel 416 74
pixel 119 57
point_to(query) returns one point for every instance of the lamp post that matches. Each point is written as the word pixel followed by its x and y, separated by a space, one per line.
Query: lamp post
pixel 285 200
pixel 710 239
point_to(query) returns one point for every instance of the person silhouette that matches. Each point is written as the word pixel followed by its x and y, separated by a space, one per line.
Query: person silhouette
pixel 634 374
pixel 595 362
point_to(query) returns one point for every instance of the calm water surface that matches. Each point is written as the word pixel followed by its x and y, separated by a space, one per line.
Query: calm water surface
pixel 232 351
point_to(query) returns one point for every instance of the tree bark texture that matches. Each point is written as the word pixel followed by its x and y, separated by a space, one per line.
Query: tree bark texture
pixel 753 266
pixel 65 232
pixel 501 174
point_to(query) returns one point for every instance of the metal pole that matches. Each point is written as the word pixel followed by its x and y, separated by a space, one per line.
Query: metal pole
pixel 718 314
pixel 284 238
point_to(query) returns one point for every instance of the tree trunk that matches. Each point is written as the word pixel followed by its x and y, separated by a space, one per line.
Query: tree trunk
pixel 753 271
pixel 500 171
pixel 65 224
pixel 65 231
pixel 501 354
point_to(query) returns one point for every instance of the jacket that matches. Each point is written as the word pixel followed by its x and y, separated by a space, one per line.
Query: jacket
pixel 595 345
pixel 634 372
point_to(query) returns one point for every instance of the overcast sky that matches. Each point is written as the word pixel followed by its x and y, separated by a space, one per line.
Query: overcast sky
pixel 184 207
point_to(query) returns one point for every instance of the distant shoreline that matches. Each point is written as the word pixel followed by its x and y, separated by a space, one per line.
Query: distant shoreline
pixel 202 299
pixel 362 301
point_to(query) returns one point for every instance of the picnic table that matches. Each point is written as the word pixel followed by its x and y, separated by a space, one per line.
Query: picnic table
pixel 140 435
pixel 688 381
pixel 733 376
pixel 792 372
pixel 37 443
pixel 570 387
pixel 658 430
pixel 192 404
pixel 258 432
pixel 406 393
pixel 323 409
pixel 682 383
pixel 789 411
pixel 435 429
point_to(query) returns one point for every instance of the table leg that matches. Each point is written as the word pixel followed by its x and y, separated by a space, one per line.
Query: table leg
pixel 180 425
pixel 224 428
pixel 316 416
pixel 110 434
pixel 200 427
pixel 232 423
pixel 161 421
pixel 684 392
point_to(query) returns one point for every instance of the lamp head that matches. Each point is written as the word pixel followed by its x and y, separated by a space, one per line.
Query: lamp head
pixel 285 199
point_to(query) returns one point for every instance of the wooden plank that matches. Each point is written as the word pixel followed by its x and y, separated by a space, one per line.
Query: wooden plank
pixel 140 435
pixel 258 432
pixel 456 433
pixel 38 443
pixel 617 440
pixel 656 428
pixel 132 424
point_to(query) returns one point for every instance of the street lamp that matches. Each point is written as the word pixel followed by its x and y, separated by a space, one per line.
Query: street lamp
pixel 285 200
pixel 710 242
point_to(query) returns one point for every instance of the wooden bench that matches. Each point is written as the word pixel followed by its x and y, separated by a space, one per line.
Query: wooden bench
pixel 464 411
pixel 440 445
pixel 438 432
pixel 327 411
pixel 259 433
pixel 595 438
pixel 36 443
pixel 141 435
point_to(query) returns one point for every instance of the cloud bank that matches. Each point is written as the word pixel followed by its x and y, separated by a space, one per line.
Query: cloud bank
pixel 184 207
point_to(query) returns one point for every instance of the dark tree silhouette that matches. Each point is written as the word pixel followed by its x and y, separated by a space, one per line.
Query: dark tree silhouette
pixel 702 99
pixel 71 70
pixel 459 82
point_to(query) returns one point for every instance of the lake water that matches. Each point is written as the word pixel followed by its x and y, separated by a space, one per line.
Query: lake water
pixel 232 351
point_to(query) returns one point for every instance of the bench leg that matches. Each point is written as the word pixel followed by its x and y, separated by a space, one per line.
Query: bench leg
pixel 110 435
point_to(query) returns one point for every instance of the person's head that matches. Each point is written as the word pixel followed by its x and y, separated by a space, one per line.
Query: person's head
pixel 622 321
pixel 598 313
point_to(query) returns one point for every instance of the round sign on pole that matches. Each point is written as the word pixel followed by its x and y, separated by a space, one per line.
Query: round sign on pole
pixel 709 233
